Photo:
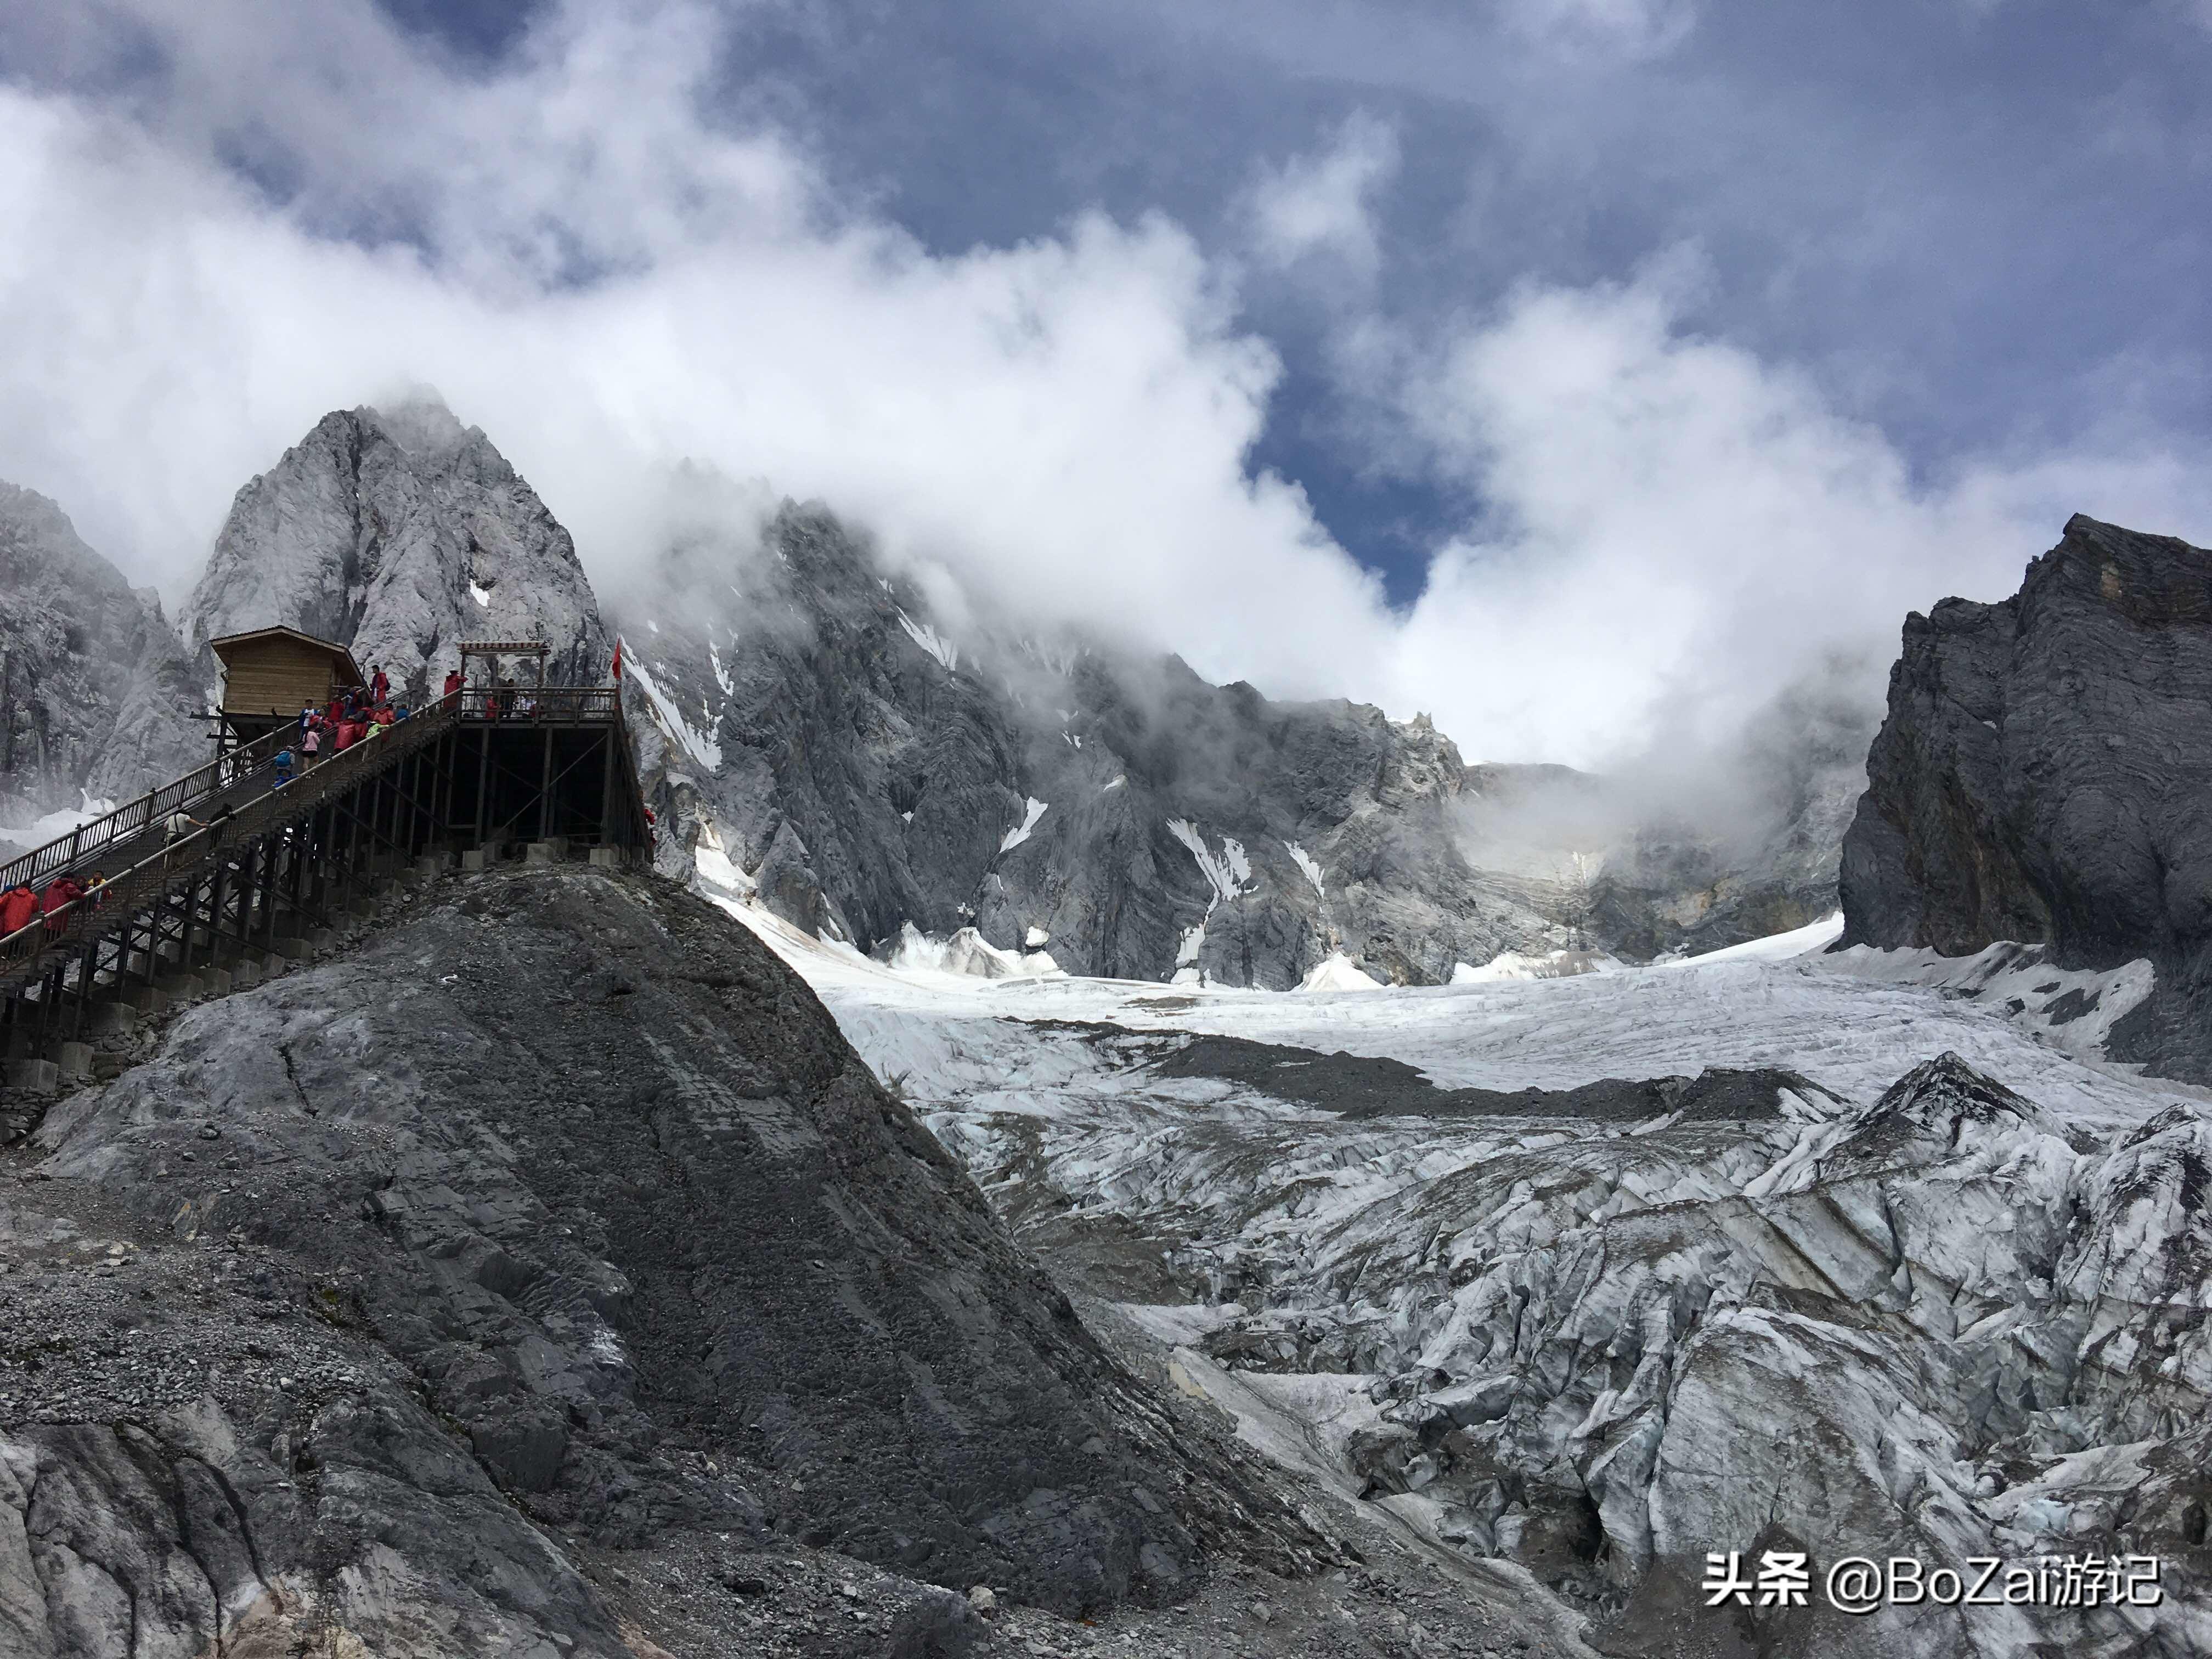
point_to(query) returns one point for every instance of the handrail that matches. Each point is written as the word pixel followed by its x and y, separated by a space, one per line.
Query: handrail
pixel 591 704
pixel 134 817
pixel 307 790
pixel 235 773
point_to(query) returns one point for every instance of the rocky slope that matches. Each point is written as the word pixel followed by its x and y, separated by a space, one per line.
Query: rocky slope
pixel 2043 775
pixel 400 533
pixel 825 740
pixel 392 1307
pixel 96 693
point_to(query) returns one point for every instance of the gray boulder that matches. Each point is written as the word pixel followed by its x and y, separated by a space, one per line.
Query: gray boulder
pixel 400 533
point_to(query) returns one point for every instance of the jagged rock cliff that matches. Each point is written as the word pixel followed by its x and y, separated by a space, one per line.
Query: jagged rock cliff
pixel 401 533
pixel 2045 776
pixel 557 1219
pixel 859 765
pixel 96 693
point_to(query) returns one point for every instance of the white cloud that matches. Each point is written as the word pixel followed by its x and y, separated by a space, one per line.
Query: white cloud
pixel 1322 204
pixel 586 266
pixel 1677 529
pixel 1633 28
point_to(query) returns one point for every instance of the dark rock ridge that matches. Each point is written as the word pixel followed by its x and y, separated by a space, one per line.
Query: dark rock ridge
pixel 400 533
pixel 858 763
pixel 97 696
pixel 2044 775
pixel 559 1217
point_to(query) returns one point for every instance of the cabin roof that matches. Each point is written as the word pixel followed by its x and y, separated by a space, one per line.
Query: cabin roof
pixel 342 658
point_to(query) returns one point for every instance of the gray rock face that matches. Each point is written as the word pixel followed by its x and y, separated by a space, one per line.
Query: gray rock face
pixel 563 1202
pixel 2043 776
pixel 96 693
pixel 399 533
pixel 861 769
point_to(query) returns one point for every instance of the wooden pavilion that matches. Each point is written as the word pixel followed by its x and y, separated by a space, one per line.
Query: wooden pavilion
pixel 269 674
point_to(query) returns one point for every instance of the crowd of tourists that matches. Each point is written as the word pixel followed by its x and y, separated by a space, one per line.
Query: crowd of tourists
pixel 354 715
pixel 23 904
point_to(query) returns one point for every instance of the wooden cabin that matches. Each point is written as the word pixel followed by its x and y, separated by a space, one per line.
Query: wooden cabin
pixel 271 674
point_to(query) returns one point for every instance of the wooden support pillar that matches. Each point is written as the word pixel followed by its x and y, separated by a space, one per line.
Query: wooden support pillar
pixel 546 780
pixel 484 777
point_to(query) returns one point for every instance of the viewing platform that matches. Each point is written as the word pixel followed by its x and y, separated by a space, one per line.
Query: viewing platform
pixel 198 883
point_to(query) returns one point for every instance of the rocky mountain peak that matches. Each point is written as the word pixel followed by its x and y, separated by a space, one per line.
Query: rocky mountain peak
pixel 399 532
pixel 2042 776
pixel 96 693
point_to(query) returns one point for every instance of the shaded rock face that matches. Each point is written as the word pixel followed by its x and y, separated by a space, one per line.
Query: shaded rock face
pixel 96 693
pixel 399 533
pixel 2043 776
pixel 859 765
pixel 562 1203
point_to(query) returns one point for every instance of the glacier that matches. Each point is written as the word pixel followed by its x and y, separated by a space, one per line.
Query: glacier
pixel 1596 1273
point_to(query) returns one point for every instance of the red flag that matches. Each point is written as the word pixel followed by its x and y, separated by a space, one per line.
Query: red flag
pixel 617 659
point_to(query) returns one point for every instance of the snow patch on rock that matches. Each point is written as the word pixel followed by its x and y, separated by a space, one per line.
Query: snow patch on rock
pixel 1337 972
pixel 1305 860
pixel 967 952
pixel 927 636
pixel 679 731
pixel 1033 810
pixel 1225 872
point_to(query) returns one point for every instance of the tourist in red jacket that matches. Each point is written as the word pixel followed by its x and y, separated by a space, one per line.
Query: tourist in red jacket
pixel 61 892
pixel 18 905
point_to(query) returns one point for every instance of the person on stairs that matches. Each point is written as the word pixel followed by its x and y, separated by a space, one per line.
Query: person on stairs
pixel 18 905
pixel 453 686
pixel 61 892
pixel 380 688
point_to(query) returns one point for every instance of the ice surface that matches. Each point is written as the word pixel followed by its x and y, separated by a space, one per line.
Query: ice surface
pixel 1335 972
pixel 1775 947
pixel 1626 1314
pixel 1549 965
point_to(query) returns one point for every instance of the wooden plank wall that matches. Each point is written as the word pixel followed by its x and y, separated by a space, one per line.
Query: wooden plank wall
pixel 276 677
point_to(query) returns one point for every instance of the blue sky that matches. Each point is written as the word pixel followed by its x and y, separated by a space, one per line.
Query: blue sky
pixel 1982 225
pixel 1583 372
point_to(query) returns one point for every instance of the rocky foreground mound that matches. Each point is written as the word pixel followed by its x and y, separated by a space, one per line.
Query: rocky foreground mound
pixel 557 1219
pixel 2045 776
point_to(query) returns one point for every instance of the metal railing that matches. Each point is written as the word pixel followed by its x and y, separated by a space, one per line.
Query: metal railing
pixel 256 802
pixel 585 704
pixel 90 839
